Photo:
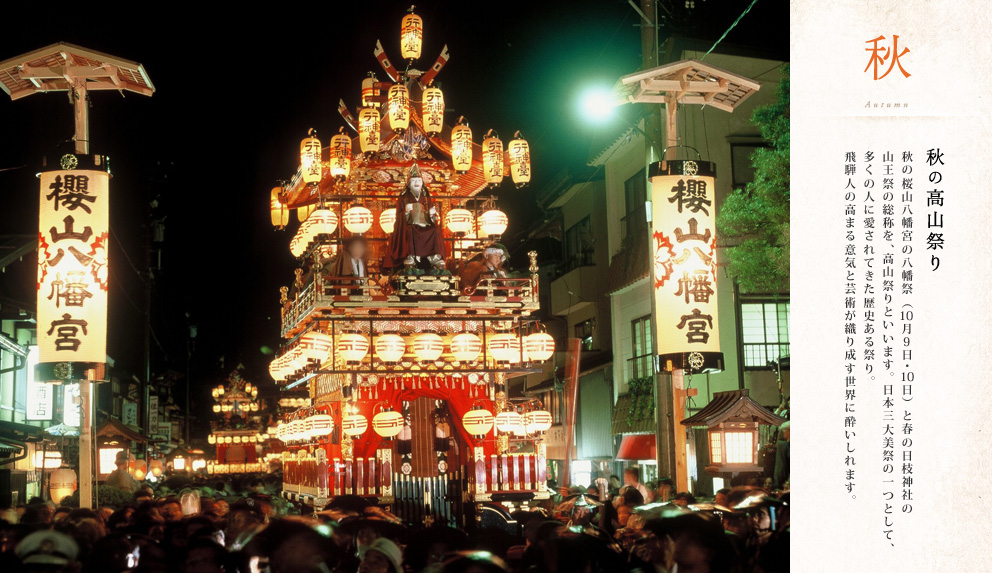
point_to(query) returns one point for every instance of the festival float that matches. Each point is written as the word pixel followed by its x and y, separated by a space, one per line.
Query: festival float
pixel 401 322
pixel 237 428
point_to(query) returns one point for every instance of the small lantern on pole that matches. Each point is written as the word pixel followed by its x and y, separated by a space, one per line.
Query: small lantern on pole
pixel 732 420
pixel 461 146
pixel 398 101
pixel 340 155
pixel 432 110
pixel 310 158
pixel 278 211
pixel 411 35
pixel 492 158
pixel 519 151
pixel 368 129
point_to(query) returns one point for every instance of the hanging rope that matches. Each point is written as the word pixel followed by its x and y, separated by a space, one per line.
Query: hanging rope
pixel 737 21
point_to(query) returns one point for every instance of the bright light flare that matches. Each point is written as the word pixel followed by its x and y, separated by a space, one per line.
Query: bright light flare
pixel 597 104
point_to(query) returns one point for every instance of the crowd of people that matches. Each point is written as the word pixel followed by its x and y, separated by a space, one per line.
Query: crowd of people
pixel 242 525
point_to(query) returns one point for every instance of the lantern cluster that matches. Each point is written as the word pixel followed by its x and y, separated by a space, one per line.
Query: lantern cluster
pixel 305 428
pixel 531 423
pixel 258 437
pixel 320 222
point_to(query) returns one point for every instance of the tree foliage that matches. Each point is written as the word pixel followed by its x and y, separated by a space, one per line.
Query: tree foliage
pixel 754 221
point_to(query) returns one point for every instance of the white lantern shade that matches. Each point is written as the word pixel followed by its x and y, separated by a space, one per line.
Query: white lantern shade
pixel 461 148
pixel 388 423
pixel 504 347
pixel 237 439
pixel 411 36
pixel 537 421
pixel 296 244
pixel 398 102
pixel 428 346
pixel 308 429
pixel 340 156
pixel 297 430
pixel 466 347
pixel 216 408
pixel 357 219
pixel 211 439
pixel 387 220
pixel 369 91
pixel 390 347
pixel 478 422
pixel 156 467
pixel 297 359
pixel 278 211
pixel 509 421
pixel 538 347
pixel 353 346
pixel 62 483
pixel 310 159
pixel 354 424
pixel 493 222
pixel 368 130
pixel 316 346
pixel 320 222
pixel 519 151
pixel 432 110
pixel 492 159
pixel 323 425
pixel 458 221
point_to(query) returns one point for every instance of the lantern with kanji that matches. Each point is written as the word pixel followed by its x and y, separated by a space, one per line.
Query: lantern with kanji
pixel 432 110
pixel 411 36
pixel 354 425
pixel 398 102
pixel 368 130
pixel 316 346
pixel 492 158
pixel 352 347
pixel 519 151
pixel 537 421
pixel 310 166
pixel 461 146
pixel 509 421
pixel 340 156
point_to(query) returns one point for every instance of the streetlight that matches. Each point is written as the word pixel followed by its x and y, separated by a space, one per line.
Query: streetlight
pixel 597 104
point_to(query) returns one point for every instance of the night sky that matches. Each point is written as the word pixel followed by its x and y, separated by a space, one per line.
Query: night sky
pixel 236 93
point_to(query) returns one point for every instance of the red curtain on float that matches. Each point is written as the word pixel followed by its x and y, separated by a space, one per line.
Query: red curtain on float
pixel 226 454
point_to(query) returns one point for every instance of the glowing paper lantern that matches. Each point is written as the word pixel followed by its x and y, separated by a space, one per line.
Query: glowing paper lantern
pixel 387 423
pixel 478 422
pixel 411 36
pixel 461 147
pixel 353 346
pixel 509 422
pixel 278 211
pixel 428 346
pixel 458 221
pixel 216 408
pixel 369 91
pixel 466 347
pixel 310 158
pixel 308 431
pixel 432 110
pixel 211 439
pixel 537 421
pixel 322 425
pixel 275 371
pixel 504 347
pixel 61 483
pixel 398 102
pixel 368 130
pixel 539 346
pixel 357 219
pixel 340 155
pixel 297 359
pixel 387 220
pixel 519 151
pixel 297 430
pixel 492 158
pixel 237 439
pixel 156 467
pixel 303 212
pixel 354 424
pixel 493 222
pixel 316 346
pixel 390 347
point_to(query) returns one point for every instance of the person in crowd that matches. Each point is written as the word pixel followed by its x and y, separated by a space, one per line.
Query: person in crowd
pixel 665 490
pixel 120 477
pixel 684 499
pixel 47 551
pixel 243 520
pixel 721 498
pixel 632 478
pixel 630 498
pixel 382 556
pixel 350 261
pixel 487 266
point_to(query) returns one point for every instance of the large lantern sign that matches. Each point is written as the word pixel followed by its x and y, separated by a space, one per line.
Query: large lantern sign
pixel 411 36
pixel 399 108
pixel 492 158
pixel 519 151
pixel 340 155
pixel 310 158
pixel 72 269
pixel 432 110
pixel 683 248
pixel 461 146
pixel 368 130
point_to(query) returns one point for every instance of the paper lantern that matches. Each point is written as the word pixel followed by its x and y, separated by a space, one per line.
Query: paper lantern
pixel 297 359
pixel 369 91
pixel 316 346
pixel 428 346
pixel 61 483
pixel 493 222
pixel 478 422
pixel 387 220
pixel 237 439
pixel 398 103
pixel 461 147
pixel 509 422
pixel 156 467
pixel 390 347
pixel 352 346
pixel 387 423
pixel 411 36
pixel 275 371
pixel 368 130
pixel 504 347
pixel 492 158
pixel 308 432
pixel 340 156
pixel 254 405
pixel 539 346
pixel 458 221
pixel 278 211
pixel 303 212
pixel 466 347
pixel 139 470
pixel 432 110
pixel 357 219
pixel 354 424
pixel 323 425
pixel 297 430
pixel 321 222
pixel 519 151
pixel 296 244
pixel 537 421
pixel 310 158
pixel 216 408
